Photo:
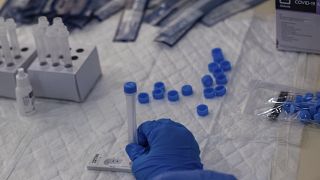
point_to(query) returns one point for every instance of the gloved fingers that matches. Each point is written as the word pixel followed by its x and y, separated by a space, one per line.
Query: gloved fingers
pixel 134 151
pixel 170 122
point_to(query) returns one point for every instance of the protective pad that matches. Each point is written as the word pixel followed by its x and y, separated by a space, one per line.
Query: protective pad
pixel 58 141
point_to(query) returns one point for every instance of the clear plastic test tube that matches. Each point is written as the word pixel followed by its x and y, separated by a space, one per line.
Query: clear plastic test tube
pixel 7 56
pixel 52 44
pixel 65 46
pixel 39 33
pixel 12 31
pixel 130 89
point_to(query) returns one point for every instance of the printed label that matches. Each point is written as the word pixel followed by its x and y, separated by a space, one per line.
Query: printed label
pixel 298 5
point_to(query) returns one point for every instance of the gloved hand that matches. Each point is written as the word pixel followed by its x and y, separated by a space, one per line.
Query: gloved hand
pixel 163 146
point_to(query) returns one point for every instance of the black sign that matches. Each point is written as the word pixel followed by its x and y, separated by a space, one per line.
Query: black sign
pixel 297 5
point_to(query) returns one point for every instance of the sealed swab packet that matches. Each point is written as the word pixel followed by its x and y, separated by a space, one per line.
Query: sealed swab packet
pixel 281 103
pixel 131 20
pixel 109 9
pixel 228 9
pixel 171 33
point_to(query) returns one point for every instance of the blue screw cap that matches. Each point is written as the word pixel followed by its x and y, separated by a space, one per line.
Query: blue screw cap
pixel 289 107
pixel 218 72
pixel 217 55
pixel 226 65
pixel 173 96
pixel 209 93
pixel 187 90
pixel 207 80
pixel 221 79
pixel 143 98
pixel 202 110
pixel 308 97
pixel 304 116
pixel 159 85
pixel 312 110
pixel 212 67
pixel 316 117
pixel 130 87
pixel 158 94
pixel 298 99
pixel 220 90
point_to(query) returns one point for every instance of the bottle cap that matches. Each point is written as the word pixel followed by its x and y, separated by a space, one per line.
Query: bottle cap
pixel 213 67
pixel 218 72
pixel 221 79
pixel 308 97
pixel 220 90
pixel 298 99
pixel 158 94
pixel 316 117
pixel 202 110
pixel 209 93
pixel 130 87
pixel 143 98
pixel 207 81
pixel 217 55
pixel 225 65
pixel 173 96
pixel 159 85
pixel 187 90
pixel 304 116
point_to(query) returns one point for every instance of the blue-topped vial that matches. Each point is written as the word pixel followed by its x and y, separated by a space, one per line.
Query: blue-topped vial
pixel 212 67
pixel 143 98
pixel 202 110
pixel 217 55
pixel 209 93
pixel 221 79
pixel 130 90
pixel 159 85
pixel 225 65
pixel 173 96
pixel 220 90
pixel 304 116
pixel 289 107
pixel 158 94
pixel 187 90
pixel 207 81
pixel 218 72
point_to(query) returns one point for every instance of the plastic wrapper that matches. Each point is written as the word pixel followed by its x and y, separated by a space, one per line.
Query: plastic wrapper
pixel 228 9
pixel 109 9
pixel 281 103
pixel 131 20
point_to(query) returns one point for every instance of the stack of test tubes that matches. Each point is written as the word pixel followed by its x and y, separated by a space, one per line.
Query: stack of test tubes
pixel 12 57
pixel 52 43
pixel 74 69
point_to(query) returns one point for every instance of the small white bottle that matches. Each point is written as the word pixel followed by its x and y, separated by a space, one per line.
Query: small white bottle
pixel 24 94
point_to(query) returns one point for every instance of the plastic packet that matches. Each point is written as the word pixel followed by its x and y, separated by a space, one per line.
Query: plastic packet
pixel 131 20
pixel 171 33
pixel 109 9
pixel 281 103
pixel 228 9
pixel 163 10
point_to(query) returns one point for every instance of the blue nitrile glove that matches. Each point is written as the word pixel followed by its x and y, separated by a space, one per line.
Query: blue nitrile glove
pixel 167 147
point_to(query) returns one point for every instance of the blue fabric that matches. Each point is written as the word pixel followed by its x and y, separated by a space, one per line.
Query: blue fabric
pixel 166 146
pixel 194 175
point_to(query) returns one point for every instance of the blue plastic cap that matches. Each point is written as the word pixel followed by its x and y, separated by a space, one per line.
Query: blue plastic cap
pixel 304 116
pixel 218 72
pixel 220 90
pixel 308 97
pixel 289 107
pixel 312 110
pixel 158 94
pixel 130 87
pixel 217 55
pixel 160 85
pixel 187 90
pixel 212 67
pixel 173 96
pixel 209 93
pixel 221 79
pixel 226 65
pixel 298 99
pixel 207 80
pixel 202 110
pixel 143 98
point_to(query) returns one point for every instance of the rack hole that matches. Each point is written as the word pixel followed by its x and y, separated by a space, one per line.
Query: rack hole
pixel 68 65
pixel 48 56
pixel 61 57
pixel 55 64
pixel 74 58
pixel 10 64
pixel 1 62
pixel 43 63
pixel 17 57
pixel 80 50
pixel 24 49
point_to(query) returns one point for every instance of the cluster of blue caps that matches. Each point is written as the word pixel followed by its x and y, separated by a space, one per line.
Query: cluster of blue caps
pixel 306 106
pixel 217 68
pixel 159 91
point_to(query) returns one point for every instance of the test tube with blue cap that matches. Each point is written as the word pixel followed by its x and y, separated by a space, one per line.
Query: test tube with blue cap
pixel 130 90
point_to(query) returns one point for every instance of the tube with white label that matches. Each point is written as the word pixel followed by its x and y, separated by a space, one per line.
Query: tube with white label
pixel 130 89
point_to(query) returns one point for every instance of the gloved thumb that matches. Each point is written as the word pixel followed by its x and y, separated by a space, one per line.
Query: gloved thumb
pixel 134 151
